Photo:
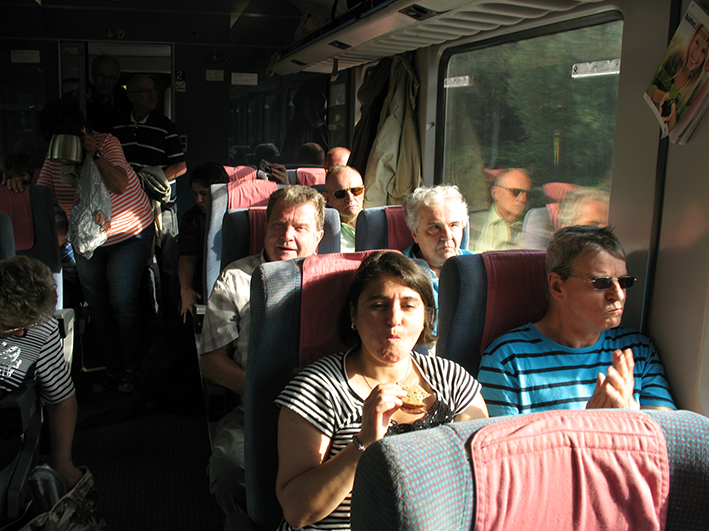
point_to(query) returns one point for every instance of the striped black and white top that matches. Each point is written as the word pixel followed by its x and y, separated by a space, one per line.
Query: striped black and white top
pixel 40 347
pixel 321 394
pixel 151 142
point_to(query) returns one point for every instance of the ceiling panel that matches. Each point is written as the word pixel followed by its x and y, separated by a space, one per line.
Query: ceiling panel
pixel 389 32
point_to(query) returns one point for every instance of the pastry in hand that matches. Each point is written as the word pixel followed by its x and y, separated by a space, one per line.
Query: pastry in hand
pixel 414 399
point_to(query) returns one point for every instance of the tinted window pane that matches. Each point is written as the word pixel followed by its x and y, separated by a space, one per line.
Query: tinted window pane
pixel 517 105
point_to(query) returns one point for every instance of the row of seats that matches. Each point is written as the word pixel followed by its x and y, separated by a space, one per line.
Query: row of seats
pixel 307 176
pixel 294 305
pixel 43 245
pixel 39 226
pixel 291 300
pixel 234 232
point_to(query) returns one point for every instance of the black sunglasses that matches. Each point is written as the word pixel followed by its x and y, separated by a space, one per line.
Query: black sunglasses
pixel 603 283
pixel 341 194
pixel 515 191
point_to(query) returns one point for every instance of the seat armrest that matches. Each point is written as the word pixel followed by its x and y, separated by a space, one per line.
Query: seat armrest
pixel 199 311
pixel 67 322
pixel 18 407
pixel 20 413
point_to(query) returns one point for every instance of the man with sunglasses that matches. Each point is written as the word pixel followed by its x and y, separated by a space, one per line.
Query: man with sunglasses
pixel 577 356
pixel 500 227
pixel 344 191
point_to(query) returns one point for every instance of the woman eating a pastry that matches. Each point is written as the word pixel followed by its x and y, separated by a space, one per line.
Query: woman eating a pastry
pixel 336 407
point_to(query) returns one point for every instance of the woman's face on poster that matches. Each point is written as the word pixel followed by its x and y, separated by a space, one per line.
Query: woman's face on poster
pixel 698 49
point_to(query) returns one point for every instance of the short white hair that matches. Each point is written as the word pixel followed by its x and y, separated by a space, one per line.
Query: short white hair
pixel 568 210
pixel 444 193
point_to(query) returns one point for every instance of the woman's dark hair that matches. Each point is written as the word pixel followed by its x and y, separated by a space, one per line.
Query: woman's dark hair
pixel 209 173
pixel 61 116
pixel 397 265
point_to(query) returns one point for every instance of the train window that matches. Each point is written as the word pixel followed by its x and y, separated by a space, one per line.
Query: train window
pixel 545 104
pixel 271 119
pixel 252 122
pixel 337 111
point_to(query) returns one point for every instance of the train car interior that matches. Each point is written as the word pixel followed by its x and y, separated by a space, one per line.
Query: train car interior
pixel 423 93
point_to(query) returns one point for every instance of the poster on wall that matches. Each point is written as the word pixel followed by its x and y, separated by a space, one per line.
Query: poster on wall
pixel 677 93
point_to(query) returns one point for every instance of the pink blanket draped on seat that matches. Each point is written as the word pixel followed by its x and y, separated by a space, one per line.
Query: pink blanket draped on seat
pixel 571 470
pixel 257 229
pixel 240 173
pixel 310 176
pixel 322 297
pixel 516 292
pixel 245 194
pixel 398 232
pixel 19 208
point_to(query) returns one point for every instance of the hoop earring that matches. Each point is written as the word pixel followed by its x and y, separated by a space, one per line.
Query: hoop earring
pixel 353 327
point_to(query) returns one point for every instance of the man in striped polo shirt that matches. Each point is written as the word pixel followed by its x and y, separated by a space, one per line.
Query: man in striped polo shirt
pixel 577 356
pixel 150 139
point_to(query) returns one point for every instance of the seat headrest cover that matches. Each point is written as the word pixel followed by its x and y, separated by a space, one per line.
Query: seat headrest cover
pixel 19 208
pixel 240 173
pixel 553 210
pixel 245 194
pixel 516 291
pixel 310 176
pixel 257 229
pixel 557 191
pixel 563 469
pixel 326 280
pixel 399 234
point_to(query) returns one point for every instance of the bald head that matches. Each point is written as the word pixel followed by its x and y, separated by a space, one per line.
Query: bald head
pixel 345 182
pixel 510 193
pixel 337 156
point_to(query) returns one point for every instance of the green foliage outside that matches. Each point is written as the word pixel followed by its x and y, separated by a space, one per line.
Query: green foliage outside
pixel 525 110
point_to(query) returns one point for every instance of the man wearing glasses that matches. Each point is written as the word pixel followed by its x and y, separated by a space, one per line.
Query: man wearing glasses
pixel 500 227
pixel 344 191
pixel 577 356
pixel 150 139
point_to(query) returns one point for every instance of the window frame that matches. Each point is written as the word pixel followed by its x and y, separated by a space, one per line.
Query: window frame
pixel 498 40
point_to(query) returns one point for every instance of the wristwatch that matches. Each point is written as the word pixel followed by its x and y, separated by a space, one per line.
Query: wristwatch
pixel 358 444
pixel 97 155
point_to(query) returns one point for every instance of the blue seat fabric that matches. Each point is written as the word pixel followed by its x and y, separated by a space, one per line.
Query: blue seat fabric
pixel 516 281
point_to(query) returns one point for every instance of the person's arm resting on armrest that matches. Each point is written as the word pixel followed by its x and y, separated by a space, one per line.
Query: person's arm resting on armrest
pixel 218 366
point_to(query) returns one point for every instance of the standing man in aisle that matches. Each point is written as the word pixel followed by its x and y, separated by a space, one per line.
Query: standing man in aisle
pixel 150 139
